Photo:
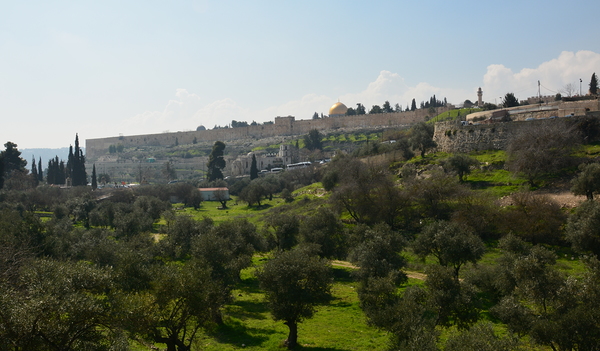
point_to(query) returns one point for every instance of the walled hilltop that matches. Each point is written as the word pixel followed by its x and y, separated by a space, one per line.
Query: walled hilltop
pixel 283 126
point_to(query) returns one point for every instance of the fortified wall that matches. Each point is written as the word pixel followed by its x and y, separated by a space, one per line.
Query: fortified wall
pixel 283 126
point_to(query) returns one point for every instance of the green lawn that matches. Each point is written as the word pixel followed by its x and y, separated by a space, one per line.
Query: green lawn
pixel 340 325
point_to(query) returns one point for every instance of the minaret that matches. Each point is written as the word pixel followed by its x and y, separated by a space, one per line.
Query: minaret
pixel 479 98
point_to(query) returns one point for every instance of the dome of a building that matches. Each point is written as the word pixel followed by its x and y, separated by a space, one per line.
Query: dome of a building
pixel 338 109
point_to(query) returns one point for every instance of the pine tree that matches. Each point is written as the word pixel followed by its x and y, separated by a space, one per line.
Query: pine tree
pixel 594 84
pixel 253 168
pixel 413 105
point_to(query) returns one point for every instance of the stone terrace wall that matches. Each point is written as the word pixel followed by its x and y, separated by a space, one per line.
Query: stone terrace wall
pixel 453 137
pixel 283 126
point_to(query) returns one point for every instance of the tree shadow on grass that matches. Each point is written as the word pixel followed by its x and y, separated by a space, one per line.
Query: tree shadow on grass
pixel 338 303
pixel 478 184
pixel 342 275
pixel 257 208
pixel 236 333
pixel 249 286
pixel 317 348
pixel 248 309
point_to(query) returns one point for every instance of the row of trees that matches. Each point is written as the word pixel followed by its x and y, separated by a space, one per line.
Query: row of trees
pixel 13 167
pixel 388 108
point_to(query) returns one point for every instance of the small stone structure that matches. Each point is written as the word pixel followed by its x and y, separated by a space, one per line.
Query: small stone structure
pixel 214 194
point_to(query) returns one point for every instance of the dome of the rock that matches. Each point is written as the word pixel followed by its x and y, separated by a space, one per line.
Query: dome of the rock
pixel 338 109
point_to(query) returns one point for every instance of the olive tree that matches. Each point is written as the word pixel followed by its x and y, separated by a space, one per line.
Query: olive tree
pixel 461 164
pixel 583 228
pixel 452 244
pixel 541 149
pixel 295 282
pixel 588 181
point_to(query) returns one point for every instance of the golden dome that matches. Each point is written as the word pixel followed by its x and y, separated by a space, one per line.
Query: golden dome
pixel 338 109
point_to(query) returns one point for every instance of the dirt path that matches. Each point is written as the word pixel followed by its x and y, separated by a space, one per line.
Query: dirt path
pixel 410 274
pixel 562 195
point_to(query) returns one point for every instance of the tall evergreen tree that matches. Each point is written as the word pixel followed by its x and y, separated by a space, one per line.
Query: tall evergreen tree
pixel 62 172
pixel 360 109
pixel 34 171
pixel 510 100
pixel 94 180
pixel 594 84
pixel 216 161
pixel 56 172
pixel 33 167
pixel 40 171
pixel 1 171
pixel 253 168
pixel 12 159
pixel 76 165
pixel 11 162
pixel 413 105
pixel 387 108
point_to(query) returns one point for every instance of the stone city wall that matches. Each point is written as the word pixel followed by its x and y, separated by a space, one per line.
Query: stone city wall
pixel 283 126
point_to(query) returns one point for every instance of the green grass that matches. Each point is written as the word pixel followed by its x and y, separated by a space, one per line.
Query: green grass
pixel 235 209
pixel 339 325
pixel 307 199
pixel 452 115
pixel 589 151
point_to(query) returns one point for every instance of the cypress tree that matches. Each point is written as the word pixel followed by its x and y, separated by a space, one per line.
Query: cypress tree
pixel 94 180
pixel 33 168
pixel 34 172
pixel 216 162
pixel 70 161
pixel 40 171
pixel 61 174
pixel 76 165
pixel 50 176
pixel 594 84
pixel 253 168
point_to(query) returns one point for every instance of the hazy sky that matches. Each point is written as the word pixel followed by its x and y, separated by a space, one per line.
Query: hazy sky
pixel 104 68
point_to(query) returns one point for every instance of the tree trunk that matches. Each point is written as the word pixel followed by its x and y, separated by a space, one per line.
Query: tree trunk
pixel 292 339
pixel 217 317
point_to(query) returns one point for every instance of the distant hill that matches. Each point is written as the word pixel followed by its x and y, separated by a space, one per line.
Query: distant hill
pixel 45 154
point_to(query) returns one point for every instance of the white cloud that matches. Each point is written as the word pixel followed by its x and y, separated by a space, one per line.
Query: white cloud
pixel 391 87
pixel 185 111
pixel 553 75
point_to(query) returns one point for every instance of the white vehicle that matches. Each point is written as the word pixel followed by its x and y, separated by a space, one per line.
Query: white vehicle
pixel 298 165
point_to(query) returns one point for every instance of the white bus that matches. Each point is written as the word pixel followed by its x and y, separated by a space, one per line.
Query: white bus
pixel 298 165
